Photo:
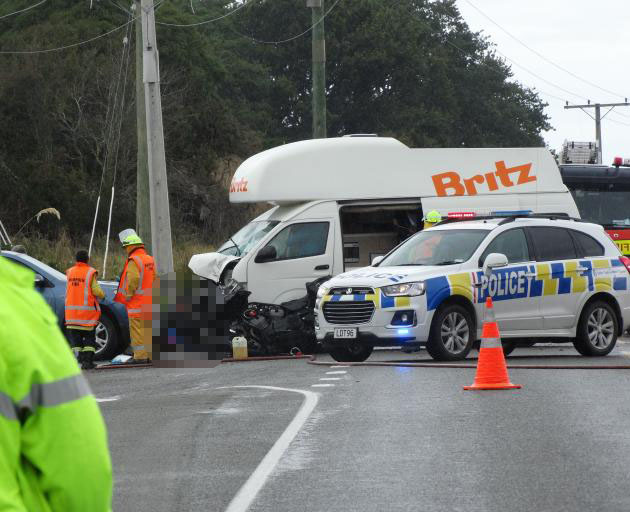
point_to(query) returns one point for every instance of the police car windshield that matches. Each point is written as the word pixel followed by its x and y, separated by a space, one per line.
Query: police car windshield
pixel 246 238
pixel 436 247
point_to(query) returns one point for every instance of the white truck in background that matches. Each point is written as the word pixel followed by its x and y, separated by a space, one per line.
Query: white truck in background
pixel 338 203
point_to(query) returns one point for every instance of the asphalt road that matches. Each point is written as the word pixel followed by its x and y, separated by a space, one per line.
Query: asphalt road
pixel 378 439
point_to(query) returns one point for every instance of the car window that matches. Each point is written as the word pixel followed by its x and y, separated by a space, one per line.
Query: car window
pixel 436 247
pixel 588 245
pixel 301 240
pixel 512 243
pixel 553 244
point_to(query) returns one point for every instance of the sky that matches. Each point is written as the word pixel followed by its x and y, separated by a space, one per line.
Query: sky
pixel 587 38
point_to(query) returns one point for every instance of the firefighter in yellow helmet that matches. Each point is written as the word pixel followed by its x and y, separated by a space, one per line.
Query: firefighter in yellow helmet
pixel 431 219
pixel 135 291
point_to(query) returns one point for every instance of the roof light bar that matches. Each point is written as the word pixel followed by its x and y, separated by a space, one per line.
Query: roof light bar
pixel 512 212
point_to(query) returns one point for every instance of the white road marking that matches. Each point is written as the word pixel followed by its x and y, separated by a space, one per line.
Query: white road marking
pixel 330 378
pixel 111 399
pixel 336 373
pixel 340 366
pixel 250 489
pixel 322 385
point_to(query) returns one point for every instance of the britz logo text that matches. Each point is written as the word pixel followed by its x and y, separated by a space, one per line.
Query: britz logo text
pixel 238 185
pixel 450 183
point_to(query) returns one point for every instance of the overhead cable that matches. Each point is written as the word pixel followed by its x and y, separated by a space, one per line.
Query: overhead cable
pixel 23 10
pixel 297 36
pixel 80 43
pixel 233 11
pixel 543 57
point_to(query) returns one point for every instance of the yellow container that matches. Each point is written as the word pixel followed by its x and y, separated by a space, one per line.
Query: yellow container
pixel 239 348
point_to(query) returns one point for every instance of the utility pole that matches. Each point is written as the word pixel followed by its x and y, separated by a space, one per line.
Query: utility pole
pixel 158 186
pixel 143 209
pixel 319 69
pixel 598 119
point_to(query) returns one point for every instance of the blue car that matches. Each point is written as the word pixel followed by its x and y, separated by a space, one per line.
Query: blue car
pixel 112 332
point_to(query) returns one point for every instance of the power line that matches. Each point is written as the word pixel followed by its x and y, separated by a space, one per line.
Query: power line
pixel 74 45
pixel 502 72
pixel 233 11
pixel 23 10
pixel 542 56
pixel 292 38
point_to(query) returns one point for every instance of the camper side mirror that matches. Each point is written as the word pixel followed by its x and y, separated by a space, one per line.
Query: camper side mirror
pixel 267 253
pixel 376 260
pixel 492 261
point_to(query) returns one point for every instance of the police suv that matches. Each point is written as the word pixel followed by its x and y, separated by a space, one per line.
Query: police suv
pixel 550 277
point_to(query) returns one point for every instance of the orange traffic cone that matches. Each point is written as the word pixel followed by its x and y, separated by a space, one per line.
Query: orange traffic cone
pixel 491 369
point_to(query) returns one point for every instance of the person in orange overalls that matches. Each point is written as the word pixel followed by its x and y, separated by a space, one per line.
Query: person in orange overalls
pixel 82 309
pixel 135 292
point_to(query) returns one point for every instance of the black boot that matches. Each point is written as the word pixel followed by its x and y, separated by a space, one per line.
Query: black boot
pixel 80 358
pixel 88 361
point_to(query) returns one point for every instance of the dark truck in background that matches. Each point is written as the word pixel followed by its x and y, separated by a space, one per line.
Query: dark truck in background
pixel 601 195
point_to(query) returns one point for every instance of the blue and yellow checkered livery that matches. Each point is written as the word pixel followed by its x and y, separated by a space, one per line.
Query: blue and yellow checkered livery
pixel 521 281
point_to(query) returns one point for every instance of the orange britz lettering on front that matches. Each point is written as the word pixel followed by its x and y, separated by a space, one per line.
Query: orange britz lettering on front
pixel 238 185
pixel 450 183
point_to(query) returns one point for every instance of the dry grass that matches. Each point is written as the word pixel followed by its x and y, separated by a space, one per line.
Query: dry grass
pixel 60 253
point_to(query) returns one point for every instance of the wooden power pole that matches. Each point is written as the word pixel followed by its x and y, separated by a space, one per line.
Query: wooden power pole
pixel 319 69
pixel 158 187
pixel 143 209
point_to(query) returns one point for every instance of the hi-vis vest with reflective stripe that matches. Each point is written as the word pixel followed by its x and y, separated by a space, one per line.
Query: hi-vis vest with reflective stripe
pixel 82 308
pixel 142 298
pixel 53 443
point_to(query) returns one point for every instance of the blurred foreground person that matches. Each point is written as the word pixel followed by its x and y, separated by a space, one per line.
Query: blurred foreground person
pixel 53 443
pixel 82 309
pixel 135 291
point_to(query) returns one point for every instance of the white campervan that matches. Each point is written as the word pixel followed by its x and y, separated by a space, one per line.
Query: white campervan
pixel 338 203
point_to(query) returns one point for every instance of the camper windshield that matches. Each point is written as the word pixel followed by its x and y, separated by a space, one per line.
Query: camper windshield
pixel 246 238
pixel 436 247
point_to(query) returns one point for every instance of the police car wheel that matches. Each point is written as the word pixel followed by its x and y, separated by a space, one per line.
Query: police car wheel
pixel 451 335
pixel 352 353
pixel 597 330
pixel 508 346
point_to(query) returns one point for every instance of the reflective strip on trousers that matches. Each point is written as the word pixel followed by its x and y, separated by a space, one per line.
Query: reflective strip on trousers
pixel 81 321
pixel 88 349
pixel 491 342
pixel 48 394
pixel 80 308
pixel 134 310
pixel 137 347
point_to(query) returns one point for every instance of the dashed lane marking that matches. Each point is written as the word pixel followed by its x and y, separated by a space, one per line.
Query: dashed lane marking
pixel 250 489
pixel 340 366
pixel 330 378
pixel 111 399
pixel 341 372
pixel 322 385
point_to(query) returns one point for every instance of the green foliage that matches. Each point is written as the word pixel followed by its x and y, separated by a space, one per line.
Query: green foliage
pixel 411 69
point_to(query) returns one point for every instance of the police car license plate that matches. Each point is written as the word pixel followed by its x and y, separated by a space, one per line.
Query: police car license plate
pixel 345 333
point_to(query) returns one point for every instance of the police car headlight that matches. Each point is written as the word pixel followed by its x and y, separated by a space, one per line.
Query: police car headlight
pixel 322 290
pixel 404 289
